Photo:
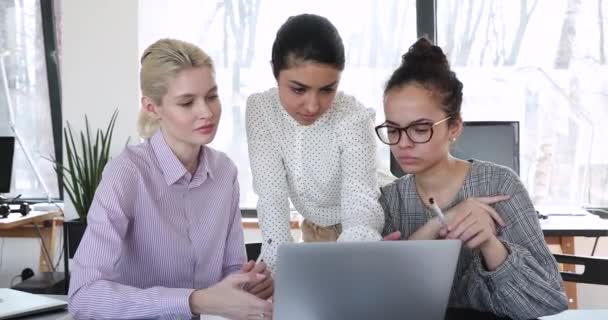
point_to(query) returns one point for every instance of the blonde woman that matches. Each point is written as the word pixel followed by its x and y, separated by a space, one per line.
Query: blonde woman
pixel 164 236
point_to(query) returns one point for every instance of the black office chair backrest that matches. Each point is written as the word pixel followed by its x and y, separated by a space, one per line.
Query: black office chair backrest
pixel 253 250
pixel 7 149
pixel 494 141
pixel 596 269
pixel 72 235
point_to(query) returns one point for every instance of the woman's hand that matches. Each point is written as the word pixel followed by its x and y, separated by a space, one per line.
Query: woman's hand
pixel 393 236
pixel 473 221
pixel 264 288
pixel 227 299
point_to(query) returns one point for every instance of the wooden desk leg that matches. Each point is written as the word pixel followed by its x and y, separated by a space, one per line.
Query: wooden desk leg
pixel 49 234
pixel 565 245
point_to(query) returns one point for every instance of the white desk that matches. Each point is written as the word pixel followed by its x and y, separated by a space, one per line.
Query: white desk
pixel 588 225
pixel 566 315
pixel 580 315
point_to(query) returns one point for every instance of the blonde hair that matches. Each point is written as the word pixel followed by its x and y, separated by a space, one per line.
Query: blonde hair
pixel 160 62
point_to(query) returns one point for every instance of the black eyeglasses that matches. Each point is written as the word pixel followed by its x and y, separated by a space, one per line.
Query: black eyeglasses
pixel 416 132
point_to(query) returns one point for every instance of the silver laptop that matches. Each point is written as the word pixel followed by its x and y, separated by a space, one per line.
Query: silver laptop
pixel 14 303
pixel 365 280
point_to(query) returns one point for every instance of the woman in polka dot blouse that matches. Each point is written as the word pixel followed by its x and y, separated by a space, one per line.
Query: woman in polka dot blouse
pixel 312 144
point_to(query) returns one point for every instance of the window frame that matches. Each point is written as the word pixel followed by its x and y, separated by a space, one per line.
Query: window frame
pixel 51 55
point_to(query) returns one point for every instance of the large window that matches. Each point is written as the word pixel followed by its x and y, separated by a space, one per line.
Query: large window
pixel 541 62
pixel 239 35
pixel 21 37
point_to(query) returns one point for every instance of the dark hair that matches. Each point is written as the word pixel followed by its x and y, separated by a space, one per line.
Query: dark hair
pixel 307 37
pixel 427 65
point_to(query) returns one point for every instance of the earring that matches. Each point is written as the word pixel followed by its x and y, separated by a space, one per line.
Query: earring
pixel 453 139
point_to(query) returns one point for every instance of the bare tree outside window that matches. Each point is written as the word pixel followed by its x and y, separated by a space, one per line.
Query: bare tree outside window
pixel 541 70
pixel 526 60
pixel 21 36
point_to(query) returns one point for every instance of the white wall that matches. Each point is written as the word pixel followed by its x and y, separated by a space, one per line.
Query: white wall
pixel 100 65
pixel 17 254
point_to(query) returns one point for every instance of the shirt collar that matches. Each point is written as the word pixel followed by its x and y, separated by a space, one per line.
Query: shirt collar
pixel 172 168
pixel 204 167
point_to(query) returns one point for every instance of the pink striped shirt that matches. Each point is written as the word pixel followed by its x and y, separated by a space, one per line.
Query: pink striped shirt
pixel 155 233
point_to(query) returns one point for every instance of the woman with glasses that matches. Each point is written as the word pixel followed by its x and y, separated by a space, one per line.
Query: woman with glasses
pixel 504 266
pixel 311 144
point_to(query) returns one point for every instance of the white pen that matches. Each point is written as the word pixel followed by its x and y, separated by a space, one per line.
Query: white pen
pixel 437 211
pixel 259 259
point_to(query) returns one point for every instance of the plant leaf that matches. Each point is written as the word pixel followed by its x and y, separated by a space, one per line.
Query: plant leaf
pixel 82 173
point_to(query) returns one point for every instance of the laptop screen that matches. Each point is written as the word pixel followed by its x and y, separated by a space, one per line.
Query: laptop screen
pixel 364 280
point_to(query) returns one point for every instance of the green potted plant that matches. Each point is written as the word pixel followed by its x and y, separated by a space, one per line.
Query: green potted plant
pixel 81 173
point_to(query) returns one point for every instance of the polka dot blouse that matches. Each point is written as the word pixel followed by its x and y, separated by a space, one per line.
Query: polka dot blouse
pixel 327 169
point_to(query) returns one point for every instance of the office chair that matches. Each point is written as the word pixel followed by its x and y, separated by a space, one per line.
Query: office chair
pixel 253 250
pixel 495 141
pixel 594 273
pixel 73 231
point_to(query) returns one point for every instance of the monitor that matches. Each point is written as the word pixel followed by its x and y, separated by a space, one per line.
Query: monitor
pixel 7 149
pixel 494 141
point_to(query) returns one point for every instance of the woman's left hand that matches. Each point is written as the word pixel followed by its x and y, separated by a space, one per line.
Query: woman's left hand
pixel 473 222
pixel 264 288
pixel 473 230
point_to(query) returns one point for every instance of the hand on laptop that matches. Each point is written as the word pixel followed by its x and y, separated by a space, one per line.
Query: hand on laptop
pixel 263 288
pixel 227 299
pixel 473 221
